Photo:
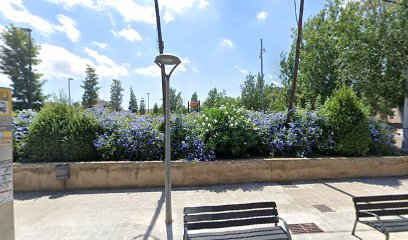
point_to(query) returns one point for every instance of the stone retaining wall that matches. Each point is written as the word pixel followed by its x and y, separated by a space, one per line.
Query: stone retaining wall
pixel 93 175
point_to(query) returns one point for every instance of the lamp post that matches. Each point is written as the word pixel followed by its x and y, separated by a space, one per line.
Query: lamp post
pixel 29 90
pixel 69 89
pixel 148 111
pixel 162 61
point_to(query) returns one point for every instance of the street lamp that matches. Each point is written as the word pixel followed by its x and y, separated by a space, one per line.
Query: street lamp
pixel 148 111
pixel 69 89
pixel 162 60
pixel 29 90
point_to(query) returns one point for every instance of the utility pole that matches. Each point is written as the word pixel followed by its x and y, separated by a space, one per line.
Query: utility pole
pixel 296 68
pixel 262 76
pixel 69 89
pixel 148 97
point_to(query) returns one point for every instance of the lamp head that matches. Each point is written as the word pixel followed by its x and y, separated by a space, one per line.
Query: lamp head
pixel 167 59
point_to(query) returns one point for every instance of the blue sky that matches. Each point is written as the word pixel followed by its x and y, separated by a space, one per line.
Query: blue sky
pixel 218 42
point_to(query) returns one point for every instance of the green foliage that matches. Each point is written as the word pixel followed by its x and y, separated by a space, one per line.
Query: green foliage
pixel 116 97
pixel 251 92
pixel 155 109
pixel 229 132
pixel 61 133
pixel 363 44
pixel 133 102
pixel 90 86
pixel 176 102
pixel 217 98
pixel 349 122
pixel 15 53
pixel 142 108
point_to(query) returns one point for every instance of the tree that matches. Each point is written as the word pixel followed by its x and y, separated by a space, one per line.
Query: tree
pixel 156 109
pixel 142 109
pixel 18 55
pixel 176 102
pixel 90 86
pixel 361 44
pixel 194 98
pixel 116 97
pixel 251 92
pixel 133 102
pixel 214 98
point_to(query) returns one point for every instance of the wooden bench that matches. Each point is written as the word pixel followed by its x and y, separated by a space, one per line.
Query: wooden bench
pixel 383 213
pixel 199 220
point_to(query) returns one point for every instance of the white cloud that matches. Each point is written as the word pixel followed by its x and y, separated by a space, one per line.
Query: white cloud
pixel 168 17
pixel 262 16
pixel 131 11
pixel 138 53
pixel 226 43
pixel 194 69
pixel 275 80
pixel 111 19
pixel 68 4
pixel 203 4
pixel 129 34
pixel 100 45
pixel 106 66
pixel 150 71
pixel 241 70
pixel 15 11
pixel 68 26
pixel 58 62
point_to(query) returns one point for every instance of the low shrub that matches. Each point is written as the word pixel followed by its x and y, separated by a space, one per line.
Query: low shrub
pixel 61 133
pixel 21 122
pixel 349 123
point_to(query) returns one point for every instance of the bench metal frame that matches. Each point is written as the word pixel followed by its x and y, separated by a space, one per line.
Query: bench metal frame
pixel 235 215
pixel 382 205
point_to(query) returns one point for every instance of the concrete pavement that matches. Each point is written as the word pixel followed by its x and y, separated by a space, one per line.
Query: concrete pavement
pixel 139 213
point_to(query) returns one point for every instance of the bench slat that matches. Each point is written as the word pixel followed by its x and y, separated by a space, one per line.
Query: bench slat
pixel 383 205
pixel 231 223
pixel 271 233
pixel 230 215
pixel 389 212
pixel 380 198
pixel 222 208
pixel 392 225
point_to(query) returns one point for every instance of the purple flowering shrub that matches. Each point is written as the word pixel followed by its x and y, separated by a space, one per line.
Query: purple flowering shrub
pixel 223 132
pixel 21 122
pixel 306 134
pixel 127 136
pixel 186 141
pixel 381 138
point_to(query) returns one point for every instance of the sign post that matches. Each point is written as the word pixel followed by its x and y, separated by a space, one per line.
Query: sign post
pixel 6 166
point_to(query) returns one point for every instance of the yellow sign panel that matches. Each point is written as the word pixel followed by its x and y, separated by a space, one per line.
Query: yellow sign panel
pixel 5 102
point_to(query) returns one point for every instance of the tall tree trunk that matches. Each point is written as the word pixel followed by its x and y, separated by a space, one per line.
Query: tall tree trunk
pixel 295 71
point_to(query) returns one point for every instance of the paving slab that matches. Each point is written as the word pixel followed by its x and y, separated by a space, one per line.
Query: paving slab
pixel 130 214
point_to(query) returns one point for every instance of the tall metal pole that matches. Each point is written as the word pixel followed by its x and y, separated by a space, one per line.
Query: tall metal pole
pixel 166 104
pixel 169 217
pixel 262 76
pixel 69 89
pixel 148 111
pixel 296 68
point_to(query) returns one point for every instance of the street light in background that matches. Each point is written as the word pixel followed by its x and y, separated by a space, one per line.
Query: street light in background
pixel 29 80
pixel 162 61
pixel 148 111
pixel 69 89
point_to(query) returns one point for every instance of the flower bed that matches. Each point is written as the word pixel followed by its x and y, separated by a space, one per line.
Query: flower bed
pixel 218 133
